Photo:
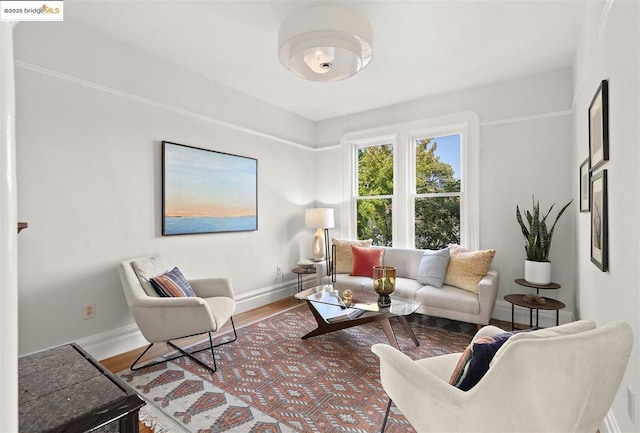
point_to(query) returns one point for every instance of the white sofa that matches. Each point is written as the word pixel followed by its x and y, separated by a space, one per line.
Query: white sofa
pixel 448 302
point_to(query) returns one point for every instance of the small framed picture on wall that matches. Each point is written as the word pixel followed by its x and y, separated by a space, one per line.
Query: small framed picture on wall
pixel 599 221
pixel 599 126
pixel 585 186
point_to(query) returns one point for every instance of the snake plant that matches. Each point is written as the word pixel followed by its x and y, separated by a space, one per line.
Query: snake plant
pixel 536 235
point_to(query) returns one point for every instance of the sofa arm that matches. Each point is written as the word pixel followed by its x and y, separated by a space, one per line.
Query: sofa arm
pixel 487 293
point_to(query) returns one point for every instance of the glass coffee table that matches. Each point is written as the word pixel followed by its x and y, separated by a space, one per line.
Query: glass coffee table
pixel 332 314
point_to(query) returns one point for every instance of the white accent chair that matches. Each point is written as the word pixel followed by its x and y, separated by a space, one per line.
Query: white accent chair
pixel 560 379
pixel 163 319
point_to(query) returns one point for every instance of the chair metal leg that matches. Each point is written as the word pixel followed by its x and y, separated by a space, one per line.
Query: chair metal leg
pixel 386 417
pixel 151 364
pixel 188 354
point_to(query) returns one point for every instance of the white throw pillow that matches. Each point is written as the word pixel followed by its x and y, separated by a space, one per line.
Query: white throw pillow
pixel 149 268
pixel 433 267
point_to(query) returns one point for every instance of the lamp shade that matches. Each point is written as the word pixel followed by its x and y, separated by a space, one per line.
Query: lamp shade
pixel 319 217
pixel 325 43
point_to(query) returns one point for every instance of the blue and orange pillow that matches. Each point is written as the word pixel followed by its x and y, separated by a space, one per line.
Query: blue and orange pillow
pixel 172 284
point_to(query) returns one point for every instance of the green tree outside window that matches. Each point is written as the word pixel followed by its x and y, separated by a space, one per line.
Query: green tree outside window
pixel 437 200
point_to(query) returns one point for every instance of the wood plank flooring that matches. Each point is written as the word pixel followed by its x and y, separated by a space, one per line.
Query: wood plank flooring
pixel 124 360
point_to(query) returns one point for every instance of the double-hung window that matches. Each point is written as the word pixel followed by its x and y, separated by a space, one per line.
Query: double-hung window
pixel 414 185
pixel 436 191
pixel 374 198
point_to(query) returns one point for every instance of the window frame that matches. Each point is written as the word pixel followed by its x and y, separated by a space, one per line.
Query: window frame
pixel 360 144
pixel 403 137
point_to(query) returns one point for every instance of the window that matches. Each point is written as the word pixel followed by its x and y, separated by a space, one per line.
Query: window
pixel 437 185
pixel 414 185
pixel 374 198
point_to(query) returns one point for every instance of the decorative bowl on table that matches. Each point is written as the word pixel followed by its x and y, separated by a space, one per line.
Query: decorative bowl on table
pixel 306 264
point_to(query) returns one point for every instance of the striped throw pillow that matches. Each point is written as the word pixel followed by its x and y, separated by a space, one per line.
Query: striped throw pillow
pixel 172 284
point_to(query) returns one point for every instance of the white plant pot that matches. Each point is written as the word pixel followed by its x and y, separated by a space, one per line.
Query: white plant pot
pixel 537 272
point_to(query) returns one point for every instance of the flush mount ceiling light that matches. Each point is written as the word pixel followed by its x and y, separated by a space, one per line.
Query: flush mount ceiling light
pixel 325 43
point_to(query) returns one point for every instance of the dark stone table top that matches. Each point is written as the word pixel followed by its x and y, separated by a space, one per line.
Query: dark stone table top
pixel 64 389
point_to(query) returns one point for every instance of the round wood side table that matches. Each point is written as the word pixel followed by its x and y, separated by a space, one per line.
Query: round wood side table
pixel 520 300
pixel 301 272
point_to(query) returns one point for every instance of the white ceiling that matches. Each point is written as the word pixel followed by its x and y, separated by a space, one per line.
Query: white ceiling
pixel 421 48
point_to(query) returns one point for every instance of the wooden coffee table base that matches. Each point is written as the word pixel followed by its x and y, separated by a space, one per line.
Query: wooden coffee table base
pixel 324 327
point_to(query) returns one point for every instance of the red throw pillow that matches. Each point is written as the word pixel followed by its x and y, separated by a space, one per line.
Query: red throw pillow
pixel 364 259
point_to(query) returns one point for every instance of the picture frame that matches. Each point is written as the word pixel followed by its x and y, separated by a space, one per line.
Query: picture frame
pixel 599 126
pixel 599 221
pixel 206 191
pixel 585 186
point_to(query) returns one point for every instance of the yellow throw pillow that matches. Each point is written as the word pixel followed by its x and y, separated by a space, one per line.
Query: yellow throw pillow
pixel 466 268
pixel 344 257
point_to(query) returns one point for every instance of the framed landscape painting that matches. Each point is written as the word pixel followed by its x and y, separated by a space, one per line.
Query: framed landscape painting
pixel 599 126
pixel 205 191
pixel 599 221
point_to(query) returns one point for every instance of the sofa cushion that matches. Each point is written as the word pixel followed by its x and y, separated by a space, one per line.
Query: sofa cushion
pixel 172 284
pixel 148 268
pixel 449 298
pixel 364 259
pixel 466 268
pixel 406 288
pixel 433 267
pixel 344 257
pixel 405 260
pixel 345 281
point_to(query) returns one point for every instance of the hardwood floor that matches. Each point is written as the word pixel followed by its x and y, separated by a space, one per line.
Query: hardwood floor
pixel 124 360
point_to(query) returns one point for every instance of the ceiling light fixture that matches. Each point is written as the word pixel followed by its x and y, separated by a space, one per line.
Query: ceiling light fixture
pixel 325 43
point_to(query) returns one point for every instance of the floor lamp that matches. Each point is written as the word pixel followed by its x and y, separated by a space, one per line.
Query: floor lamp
pixel 322 220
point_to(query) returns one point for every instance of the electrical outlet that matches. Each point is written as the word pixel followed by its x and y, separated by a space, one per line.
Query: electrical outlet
pixel 631 404
pixel 278 269
pixel 89 311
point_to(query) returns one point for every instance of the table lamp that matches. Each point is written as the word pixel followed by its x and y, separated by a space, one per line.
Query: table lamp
pixel 322 220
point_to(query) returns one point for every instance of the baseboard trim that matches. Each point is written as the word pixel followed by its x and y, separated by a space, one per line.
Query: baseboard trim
pixel 126 338
pixel 502 311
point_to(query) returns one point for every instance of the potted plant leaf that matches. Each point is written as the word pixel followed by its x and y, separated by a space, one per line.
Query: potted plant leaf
pixel 537 268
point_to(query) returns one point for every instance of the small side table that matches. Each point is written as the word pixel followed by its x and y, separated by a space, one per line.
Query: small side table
pixel 521 301
pixel 301 272
pixel 538 287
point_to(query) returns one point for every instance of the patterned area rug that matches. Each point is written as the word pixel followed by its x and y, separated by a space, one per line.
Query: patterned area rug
pixel 271 380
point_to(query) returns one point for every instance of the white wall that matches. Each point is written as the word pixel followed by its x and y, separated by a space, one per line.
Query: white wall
pixel 91 115
pixel 8 236
pixel 609 48
pixel 525 149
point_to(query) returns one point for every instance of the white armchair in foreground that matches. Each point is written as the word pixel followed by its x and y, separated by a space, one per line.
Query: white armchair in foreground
pixel 560 379
pixel 163 319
